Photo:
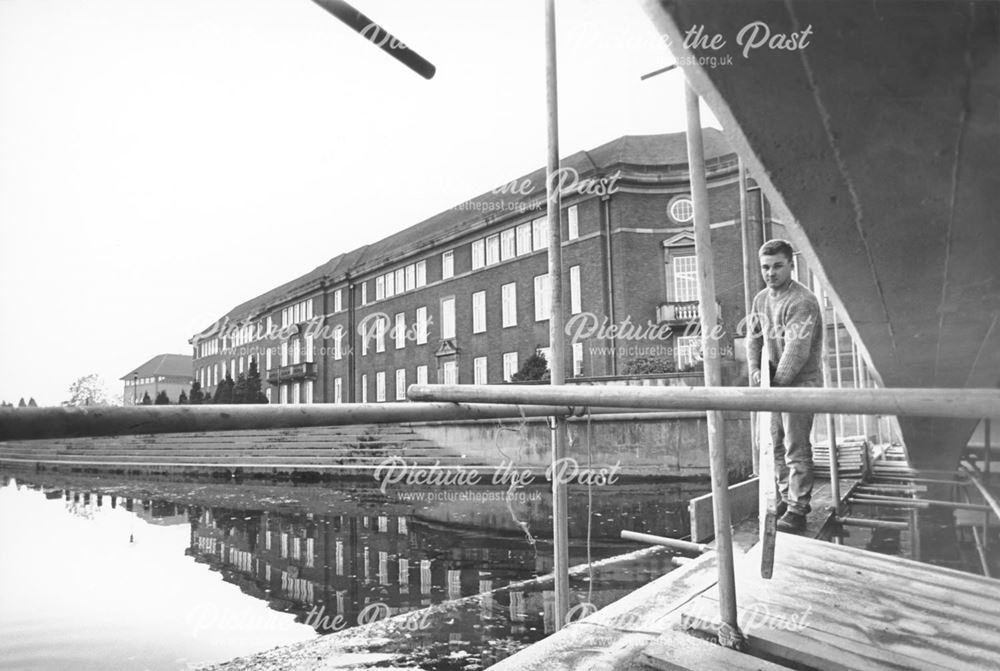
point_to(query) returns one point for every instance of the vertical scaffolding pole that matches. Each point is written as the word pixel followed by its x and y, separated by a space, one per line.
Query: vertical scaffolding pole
pixel 830 429
pixel 560 502
pixel 750 288
pixel 729 632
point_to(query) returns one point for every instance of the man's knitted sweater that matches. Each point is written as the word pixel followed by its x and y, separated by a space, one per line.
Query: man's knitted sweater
pixel 792 323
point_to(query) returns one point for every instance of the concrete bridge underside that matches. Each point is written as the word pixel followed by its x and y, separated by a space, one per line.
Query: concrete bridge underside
pixel 878 142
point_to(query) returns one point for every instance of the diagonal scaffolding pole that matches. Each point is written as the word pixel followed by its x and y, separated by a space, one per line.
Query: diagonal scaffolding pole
pixel 729 631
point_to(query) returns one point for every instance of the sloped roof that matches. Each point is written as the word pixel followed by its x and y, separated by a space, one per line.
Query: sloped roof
pixel 636 151
pixel 171 365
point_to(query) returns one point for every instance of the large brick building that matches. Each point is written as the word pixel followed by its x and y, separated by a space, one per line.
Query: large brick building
pixel 462 296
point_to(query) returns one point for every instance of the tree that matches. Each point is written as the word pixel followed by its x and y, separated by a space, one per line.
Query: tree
pixel 182 399
pixel 88 390
pixel 146 400
pixel 224 392
pixel 534 368
pixel 162 398
pixel 253 392
pixel 240 389
pixel 22 404
pixel 31 402
pixel 197 396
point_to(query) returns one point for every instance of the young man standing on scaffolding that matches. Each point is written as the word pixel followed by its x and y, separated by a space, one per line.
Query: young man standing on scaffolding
pixel 788 315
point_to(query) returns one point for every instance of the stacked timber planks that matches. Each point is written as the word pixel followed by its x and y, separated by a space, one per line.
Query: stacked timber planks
pixel 852 457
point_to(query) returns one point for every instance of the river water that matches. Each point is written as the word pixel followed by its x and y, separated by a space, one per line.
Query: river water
pixel 100 572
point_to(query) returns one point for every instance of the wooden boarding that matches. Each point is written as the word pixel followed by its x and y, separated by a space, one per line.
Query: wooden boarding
pixel 689 652
pixel 768 510
pixel 857 610
pixel 743 502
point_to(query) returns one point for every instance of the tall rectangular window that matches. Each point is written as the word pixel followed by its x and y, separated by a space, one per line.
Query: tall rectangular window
pixel 542 302
pixel 364 293
pixel 309 348
pixel 400 384
pixel 338 339
pixel 574 290
pixel 283 395
pixel 380 334
pixel 296 351
pixel 390 285
pixel 448 264
pixel 296 393
pixel 540 233
pixel 493 249
pixel 338 390
pixel 509 365
pixel 411 277
pixel 284 353
pixel 399 331
pixel 380 386
pixel 421 273
pixel 379 287
pixel 572 225
pixel 524 239
pixel 479 312
pixel 508 249
pixel 422 374
pixel 421 325
pixel 364 387
pixel 450 371
pixel 338 302
pixel 508 305
pixel 400 280
pixel 685 278
pixel 448 317
pixel 479 370
pixel 307 391
pixel 578 358
pixel 267 359
pixel 478 253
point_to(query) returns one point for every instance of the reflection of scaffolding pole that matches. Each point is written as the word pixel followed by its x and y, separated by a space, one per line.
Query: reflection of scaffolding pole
pixel 729 632
pixel 560 501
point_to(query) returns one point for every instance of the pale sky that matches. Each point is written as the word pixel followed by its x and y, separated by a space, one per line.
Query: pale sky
pixel 161 162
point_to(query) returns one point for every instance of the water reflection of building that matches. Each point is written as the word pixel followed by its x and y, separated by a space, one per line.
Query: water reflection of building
pixel 343 563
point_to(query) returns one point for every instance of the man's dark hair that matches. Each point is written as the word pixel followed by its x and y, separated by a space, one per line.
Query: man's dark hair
pixel 775 247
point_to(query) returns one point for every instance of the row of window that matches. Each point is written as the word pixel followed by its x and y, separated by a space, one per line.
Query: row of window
pixel 401 280
pixel 208 348
pixel 144 380
pixel 503 246
pixel 508 314
pixel 523 239
pixel 300 312
pixel 295 350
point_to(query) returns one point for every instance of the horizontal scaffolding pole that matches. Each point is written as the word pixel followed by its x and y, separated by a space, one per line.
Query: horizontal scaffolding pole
pixel 957 403
pixel 673 543
pixel 871 499
pixel 973 475
pixel 74 422
pixel 871 524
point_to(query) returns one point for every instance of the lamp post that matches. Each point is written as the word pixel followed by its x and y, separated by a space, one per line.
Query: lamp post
pixel 135 386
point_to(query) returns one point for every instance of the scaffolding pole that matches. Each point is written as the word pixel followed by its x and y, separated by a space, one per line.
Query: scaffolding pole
pixel 729 631
pixel 560 500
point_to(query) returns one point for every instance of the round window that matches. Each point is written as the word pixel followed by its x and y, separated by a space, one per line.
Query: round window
pixel 681 209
